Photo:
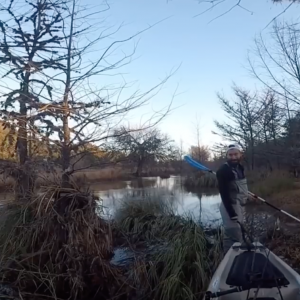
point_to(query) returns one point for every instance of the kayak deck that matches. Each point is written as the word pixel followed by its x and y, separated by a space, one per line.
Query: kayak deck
pixel 245 274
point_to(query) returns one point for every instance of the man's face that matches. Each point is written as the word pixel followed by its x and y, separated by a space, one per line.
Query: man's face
pixel 234 156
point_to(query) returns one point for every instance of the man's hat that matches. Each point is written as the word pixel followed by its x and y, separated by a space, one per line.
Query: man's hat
pixel 234 146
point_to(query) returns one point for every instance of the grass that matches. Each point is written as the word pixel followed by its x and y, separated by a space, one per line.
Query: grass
pixel 286 245
pixel 57 247
pixel 81 178
pixel 110 173
pixel 201 180
pixel 260 183
pixel 181 263
pixel 274 183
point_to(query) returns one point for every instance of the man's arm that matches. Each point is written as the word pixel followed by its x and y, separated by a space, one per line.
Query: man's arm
pixel 224 176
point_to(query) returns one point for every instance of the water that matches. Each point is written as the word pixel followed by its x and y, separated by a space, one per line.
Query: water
pixel 202 205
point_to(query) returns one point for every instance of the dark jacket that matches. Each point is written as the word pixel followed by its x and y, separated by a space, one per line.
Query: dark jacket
pixel 225 176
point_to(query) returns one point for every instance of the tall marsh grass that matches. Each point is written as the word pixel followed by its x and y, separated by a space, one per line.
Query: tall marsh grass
pixel 181 263
pixel 261 183
pixel 205 180
pixel 270 184
pixel 57 247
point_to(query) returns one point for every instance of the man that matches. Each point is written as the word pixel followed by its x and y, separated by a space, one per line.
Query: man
pixel 234 194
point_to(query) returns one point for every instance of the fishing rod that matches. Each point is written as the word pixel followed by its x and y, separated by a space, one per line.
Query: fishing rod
pixel 199 166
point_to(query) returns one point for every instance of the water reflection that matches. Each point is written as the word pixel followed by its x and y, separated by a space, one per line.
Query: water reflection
pixel 202 205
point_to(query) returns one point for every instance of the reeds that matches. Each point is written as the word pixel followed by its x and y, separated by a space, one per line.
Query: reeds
pixel 60 248
pixel 204 180
pixel 57 246
pixel 270 184
pixel 181 260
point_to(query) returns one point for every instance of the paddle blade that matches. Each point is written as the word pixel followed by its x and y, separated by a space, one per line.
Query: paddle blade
pixel 195 164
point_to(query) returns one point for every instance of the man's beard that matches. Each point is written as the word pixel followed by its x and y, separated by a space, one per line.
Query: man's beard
pixel 234 162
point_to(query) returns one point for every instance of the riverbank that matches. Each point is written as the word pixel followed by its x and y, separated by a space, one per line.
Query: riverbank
pixel 283 238
pixel 89 176
pixel 60 248
pixel 146 237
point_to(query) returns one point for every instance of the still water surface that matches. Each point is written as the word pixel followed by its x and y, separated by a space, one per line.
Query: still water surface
pixel 202 205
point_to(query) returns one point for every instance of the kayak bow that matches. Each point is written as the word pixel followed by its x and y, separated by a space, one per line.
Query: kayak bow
pixel 253 274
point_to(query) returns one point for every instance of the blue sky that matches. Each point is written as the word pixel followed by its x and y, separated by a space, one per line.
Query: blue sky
pixel 210 55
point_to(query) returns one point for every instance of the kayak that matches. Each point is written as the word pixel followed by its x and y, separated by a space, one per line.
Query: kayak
pixel 250 272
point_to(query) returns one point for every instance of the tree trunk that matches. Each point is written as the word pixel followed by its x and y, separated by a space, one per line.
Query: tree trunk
pixel 139 170
pixel 66 148
pixel 24 180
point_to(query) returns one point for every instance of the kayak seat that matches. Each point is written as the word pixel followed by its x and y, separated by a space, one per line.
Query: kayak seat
pixel 263 273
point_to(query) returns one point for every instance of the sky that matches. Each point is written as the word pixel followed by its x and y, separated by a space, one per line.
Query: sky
pixel 208 56
pixel 203 54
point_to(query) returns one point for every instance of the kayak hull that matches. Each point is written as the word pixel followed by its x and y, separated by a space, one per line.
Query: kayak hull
pixel 267 276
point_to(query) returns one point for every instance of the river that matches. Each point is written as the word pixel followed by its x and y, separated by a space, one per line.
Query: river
pixel 202 205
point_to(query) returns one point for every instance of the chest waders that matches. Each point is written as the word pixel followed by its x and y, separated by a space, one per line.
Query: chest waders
pixel 239 195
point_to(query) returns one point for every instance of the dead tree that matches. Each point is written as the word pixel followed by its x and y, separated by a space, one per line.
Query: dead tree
pixel 276 64
pixel 143 146
pixel 243 126
pixel 58 75
pixel 24 53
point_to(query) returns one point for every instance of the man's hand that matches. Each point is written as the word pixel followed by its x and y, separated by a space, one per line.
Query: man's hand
pixel 252 198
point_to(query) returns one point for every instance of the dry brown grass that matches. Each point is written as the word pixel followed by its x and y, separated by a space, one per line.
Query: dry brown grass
pixel 94 175
pixel 286 246
pixel 80 178
pixel 268 184
pixel 6 184
pixel 58 247
pixel 201 180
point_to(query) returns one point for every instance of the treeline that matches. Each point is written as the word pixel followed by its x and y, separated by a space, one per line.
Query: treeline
pixel 266 123
pixel 40 150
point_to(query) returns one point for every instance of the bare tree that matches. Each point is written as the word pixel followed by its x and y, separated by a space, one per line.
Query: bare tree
pixel 201 153
pixel 198 151
pixel 227 6
pixel 269 143
pixel 19 62
pixel 49 45
pixel 244 116
pixel 276 64
pixel 180 155
pixel 257 123
pixel 143 146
